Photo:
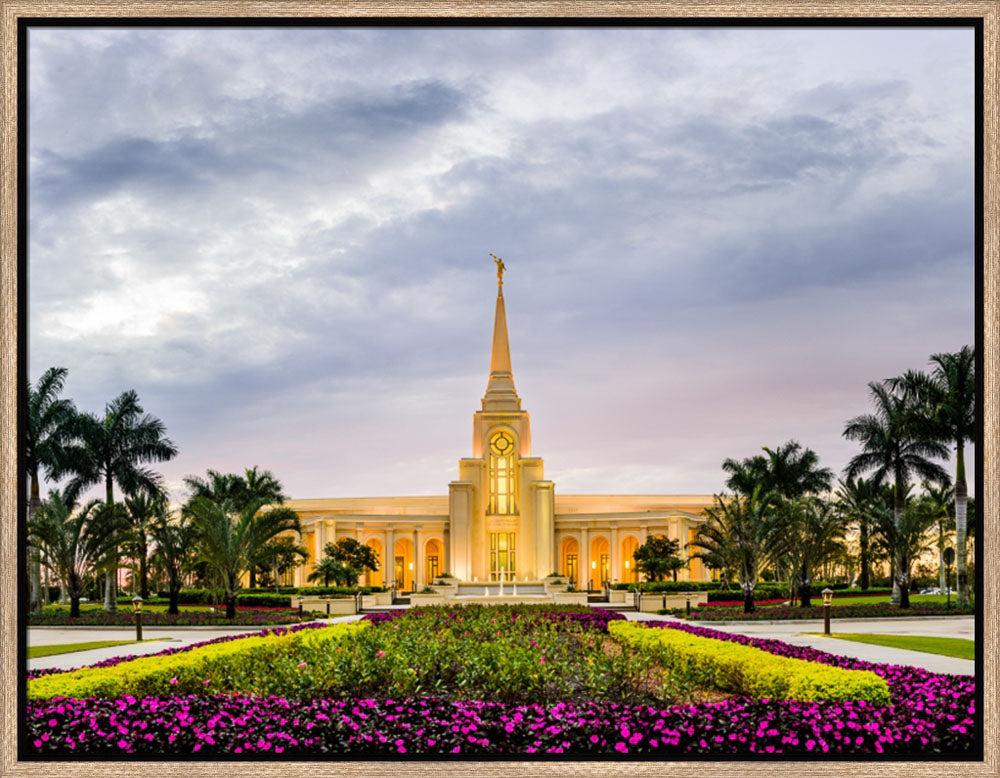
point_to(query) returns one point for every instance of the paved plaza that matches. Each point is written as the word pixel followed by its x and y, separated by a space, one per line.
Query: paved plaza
pixel 793 632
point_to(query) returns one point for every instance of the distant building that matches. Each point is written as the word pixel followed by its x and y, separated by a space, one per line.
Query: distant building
pixel 501 518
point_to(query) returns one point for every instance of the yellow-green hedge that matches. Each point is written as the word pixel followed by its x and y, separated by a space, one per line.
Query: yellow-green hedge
pixel 751 671
pixel 224 666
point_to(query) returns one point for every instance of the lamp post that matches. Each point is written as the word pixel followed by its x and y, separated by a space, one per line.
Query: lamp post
pixel 137 604
pixel 300 598
pixel 827 602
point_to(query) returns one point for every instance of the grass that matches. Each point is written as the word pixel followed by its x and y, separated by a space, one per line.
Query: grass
pixel 956 647
pixel 875 599
pixel 67 648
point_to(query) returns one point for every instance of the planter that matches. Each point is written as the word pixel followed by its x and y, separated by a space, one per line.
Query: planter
pixel 426 599
pixel 446 590
pixel 619 596
pixel 650 603
pixel 339 606
pixel 570 598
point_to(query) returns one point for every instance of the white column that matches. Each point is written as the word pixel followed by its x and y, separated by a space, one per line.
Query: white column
pixel 584 560
pixel 419 559
pixel 389 553
pixel 616 562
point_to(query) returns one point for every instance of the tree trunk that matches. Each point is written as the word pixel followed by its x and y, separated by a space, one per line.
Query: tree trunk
pixel 805 590
pixel 143 569
pixel 74 606
pixel 748 605
pixel 942 577
pixel 111 577
pixel 902 580
pixel 865 556
pixel 231 607
pixel 38 599
pixel 897 517
pixel 961 530
pixel 175 591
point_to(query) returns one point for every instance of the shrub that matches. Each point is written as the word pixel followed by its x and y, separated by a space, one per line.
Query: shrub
pixel 751 671
pixel 231 666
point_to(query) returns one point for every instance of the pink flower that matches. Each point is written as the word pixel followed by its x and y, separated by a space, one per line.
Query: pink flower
pixel 380 654
pixel 173 681
pixel 301 665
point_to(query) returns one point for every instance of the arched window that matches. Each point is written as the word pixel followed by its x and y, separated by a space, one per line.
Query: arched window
pixel 502 474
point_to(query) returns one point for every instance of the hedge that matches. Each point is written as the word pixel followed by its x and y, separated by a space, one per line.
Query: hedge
pixel 229 666
pixel 282 599
pixel 751 671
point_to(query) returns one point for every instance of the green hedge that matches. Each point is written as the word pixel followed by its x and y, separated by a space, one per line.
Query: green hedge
pixel 233 666
pixel 669 586
pixel 260 597
pixel 748 670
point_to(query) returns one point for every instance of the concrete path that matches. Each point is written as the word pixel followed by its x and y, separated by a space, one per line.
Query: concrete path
pixel 797 633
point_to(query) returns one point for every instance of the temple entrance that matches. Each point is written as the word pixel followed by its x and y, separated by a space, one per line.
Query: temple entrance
pixel 570 556
pixel 503 555
pixel 375 578
pixel 432 555
pixel 629 574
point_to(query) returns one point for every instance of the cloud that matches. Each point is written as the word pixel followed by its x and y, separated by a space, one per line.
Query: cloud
pixel 279 237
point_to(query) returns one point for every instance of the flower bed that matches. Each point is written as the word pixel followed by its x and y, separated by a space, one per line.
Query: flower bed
pixel 749 670
pixel 928 713
pixel 793 612
pixel 245 617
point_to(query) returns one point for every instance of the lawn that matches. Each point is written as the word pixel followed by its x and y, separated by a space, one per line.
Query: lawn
pixel 957 647
pixel 35 652
pixel 915 599
pixel 516 680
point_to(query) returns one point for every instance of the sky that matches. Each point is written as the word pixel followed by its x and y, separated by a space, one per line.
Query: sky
pixel 714 238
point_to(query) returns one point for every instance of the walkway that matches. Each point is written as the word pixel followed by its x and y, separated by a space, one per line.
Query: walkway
pixel 796 633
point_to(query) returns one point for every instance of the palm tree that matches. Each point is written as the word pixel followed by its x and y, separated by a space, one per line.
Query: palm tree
pixel 954 416
pixel 906 538
pixel 174 537
pixel 231 541
pixel 746 523
pixel 942 498
pixel 338 570
pixel 809 532
pixel 47 420
pixel 141 511
pixel 112 450
pixel 280 555
pixel 895 447
pixel 858 499
pixel 239 490
pixel 75 543
pixel 789 470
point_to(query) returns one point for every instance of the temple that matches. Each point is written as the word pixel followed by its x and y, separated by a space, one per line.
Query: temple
pixel 501 519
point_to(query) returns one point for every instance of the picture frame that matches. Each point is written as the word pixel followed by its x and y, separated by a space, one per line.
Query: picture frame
pixel 13 297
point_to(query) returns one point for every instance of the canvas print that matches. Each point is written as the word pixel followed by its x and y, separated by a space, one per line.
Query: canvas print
pixel 704 296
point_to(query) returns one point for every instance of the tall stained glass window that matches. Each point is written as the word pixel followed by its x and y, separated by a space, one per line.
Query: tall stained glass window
pixel 502 475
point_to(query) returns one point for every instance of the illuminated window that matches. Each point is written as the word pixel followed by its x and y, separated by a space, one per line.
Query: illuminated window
pixel 502 475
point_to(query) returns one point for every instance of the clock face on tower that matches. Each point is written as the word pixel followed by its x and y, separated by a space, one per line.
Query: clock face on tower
pixel 502 444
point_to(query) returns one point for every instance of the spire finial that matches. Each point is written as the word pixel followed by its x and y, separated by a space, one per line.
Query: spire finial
pixel 500 268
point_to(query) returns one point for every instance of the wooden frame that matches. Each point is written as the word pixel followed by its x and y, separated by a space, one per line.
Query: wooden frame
pixel 11 11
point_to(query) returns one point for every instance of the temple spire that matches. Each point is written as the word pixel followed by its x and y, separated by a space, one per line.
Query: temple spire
pixel 500 392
